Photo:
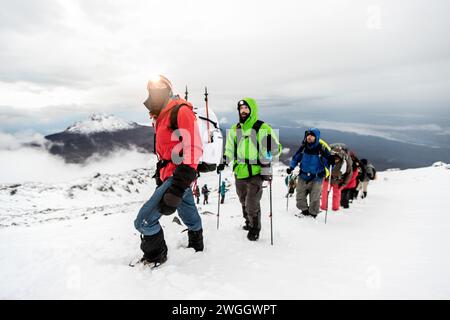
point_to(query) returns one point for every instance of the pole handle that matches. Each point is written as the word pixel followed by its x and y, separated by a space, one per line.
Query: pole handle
pixel 207 114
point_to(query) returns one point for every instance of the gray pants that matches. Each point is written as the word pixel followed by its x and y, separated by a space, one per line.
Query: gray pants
pixel 314 190
pixel 363 185
pixel 250 192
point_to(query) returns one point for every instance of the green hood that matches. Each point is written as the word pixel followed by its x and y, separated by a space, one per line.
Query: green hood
pixel 244 152
pixel 253 114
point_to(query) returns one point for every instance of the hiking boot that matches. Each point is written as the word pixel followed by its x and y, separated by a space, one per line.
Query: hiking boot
pixel 253 234
pixel 305 213
pixel 154 248
pixel 196 240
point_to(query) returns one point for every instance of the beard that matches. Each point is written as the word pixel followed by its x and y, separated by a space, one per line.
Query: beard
pixel 243 118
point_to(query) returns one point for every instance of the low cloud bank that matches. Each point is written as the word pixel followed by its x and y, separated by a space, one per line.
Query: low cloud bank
pixel 21 163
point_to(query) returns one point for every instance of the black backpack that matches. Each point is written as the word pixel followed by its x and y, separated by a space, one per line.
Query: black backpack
pixel 371 172
pixel 202 166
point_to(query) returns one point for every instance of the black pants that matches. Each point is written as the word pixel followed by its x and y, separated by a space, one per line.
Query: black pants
pixel 345 198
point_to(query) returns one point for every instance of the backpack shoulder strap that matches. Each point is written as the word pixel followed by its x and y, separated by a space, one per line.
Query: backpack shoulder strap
pixel 257 125
pixel 210 121
pixel 237 138
pixel 324 144
pixel 174 116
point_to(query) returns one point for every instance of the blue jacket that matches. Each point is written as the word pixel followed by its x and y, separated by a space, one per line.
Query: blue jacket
pixel 313 158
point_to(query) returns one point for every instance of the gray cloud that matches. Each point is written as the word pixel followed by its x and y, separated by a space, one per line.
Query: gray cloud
pixel 96 54
pixel 27 16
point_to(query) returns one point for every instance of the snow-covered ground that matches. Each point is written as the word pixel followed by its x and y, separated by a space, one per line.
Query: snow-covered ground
pixel 74 240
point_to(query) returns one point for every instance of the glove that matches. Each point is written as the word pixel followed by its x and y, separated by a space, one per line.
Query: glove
pixel 183 176
pixel 289 170
pixel 220 167
pixel 267 177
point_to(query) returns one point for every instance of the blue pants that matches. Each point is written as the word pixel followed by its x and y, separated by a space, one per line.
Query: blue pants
pixel 147 220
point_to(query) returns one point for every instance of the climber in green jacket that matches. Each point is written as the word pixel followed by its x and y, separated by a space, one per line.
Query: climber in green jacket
pixel 251 146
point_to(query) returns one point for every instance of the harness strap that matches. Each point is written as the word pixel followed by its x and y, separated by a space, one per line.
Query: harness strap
pixel 254 139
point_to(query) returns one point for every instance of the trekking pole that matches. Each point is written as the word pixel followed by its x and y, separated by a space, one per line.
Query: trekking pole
pixel 287 195
pixel 328 195
pixel 271 223
pixel 218 199
pixel 186 94
pixel 287 200
pixel 207 113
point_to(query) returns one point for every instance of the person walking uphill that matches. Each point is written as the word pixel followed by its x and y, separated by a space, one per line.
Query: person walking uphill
pixel 340 177
pixel 369 174
pixel 348 190
pixel 197 193
pixel 313 156
pixel 205 192
pixel 222 190
pixel 251 146
pixel 176 170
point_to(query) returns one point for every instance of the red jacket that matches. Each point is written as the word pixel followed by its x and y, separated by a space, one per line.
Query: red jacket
pixel 191 142
pixel 352 183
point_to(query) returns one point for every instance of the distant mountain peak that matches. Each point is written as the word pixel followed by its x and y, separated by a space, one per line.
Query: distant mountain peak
pixel 440 164
pixel 100 122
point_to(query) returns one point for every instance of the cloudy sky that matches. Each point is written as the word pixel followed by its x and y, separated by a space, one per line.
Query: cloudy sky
pixel 63 59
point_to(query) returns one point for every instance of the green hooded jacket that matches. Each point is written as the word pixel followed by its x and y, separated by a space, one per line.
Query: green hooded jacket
pixel 248 163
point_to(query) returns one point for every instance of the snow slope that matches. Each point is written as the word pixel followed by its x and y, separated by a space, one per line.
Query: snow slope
pixel 394 244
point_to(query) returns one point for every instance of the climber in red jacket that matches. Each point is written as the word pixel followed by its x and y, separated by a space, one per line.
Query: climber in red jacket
pixel 179 151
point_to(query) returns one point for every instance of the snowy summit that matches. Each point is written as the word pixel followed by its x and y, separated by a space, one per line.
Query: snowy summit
pixel 100 122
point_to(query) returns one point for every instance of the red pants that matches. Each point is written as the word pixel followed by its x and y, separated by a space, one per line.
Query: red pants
pixel 336 196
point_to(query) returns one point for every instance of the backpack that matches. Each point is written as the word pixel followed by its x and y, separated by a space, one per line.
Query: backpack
pixel 212 143
pixel 371 172
pixel 197 192
pixel 342 151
